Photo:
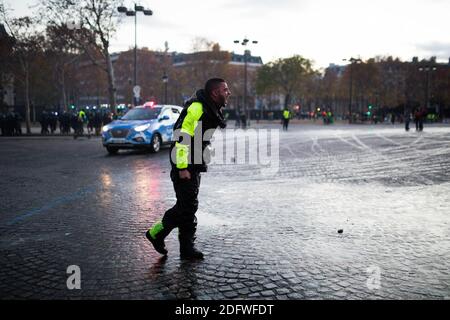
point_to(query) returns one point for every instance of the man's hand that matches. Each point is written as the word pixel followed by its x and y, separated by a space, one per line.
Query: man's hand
pixel 184 174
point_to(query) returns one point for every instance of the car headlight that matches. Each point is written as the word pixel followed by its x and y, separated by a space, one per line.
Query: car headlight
pixel 105 128
pixel 142 127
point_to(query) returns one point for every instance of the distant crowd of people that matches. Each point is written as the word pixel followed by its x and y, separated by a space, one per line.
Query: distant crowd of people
pixel 51 121
pixel 94 120
pixel 10 123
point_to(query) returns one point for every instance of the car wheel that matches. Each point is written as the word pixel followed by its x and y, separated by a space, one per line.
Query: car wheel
pixel 155 146
pixel 112 150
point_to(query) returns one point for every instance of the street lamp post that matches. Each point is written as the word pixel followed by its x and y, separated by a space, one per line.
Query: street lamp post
pixel 427 70
pixel 133 13
pixel 165 79
pixel 245 42
pixel 352 62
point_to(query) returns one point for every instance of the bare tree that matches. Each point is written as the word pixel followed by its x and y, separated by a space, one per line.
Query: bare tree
pixel 27 48
pixel 65 53
pixel 93 24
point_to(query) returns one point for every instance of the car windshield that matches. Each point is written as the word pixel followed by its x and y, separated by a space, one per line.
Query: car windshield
pixel 142 114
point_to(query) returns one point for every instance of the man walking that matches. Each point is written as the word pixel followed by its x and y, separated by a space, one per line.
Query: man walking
pixel 201 113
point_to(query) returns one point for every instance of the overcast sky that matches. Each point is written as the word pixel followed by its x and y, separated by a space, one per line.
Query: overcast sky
pixel 325 31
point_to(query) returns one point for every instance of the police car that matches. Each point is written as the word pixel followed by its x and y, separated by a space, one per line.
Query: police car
pixel 148 126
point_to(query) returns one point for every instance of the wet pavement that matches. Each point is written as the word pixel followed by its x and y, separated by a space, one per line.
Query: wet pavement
pixel 65 202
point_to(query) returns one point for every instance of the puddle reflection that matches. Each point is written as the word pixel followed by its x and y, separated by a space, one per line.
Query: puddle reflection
pixel 147 185
pixel 106 181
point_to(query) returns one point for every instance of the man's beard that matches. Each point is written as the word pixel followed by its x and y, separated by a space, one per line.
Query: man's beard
pixel 223 101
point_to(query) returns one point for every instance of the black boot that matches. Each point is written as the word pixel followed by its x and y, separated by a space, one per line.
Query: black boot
pixel 156 235
pixel 187 248
pixel 191 253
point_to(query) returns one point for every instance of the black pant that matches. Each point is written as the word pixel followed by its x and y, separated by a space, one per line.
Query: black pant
pixel 182 214
pixel 419 125
pixel 285 124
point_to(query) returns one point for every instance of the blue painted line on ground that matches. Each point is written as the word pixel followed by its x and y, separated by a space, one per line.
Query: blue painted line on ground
pixel 52 204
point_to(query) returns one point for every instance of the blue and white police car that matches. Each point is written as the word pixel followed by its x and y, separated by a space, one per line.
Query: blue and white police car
pixel 148 126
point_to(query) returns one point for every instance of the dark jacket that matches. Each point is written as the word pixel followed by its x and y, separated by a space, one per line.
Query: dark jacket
pixel 188 137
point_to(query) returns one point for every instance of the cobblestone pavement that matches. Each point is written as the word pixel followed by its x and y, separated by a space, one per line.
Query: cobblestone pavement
pixel 66 202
